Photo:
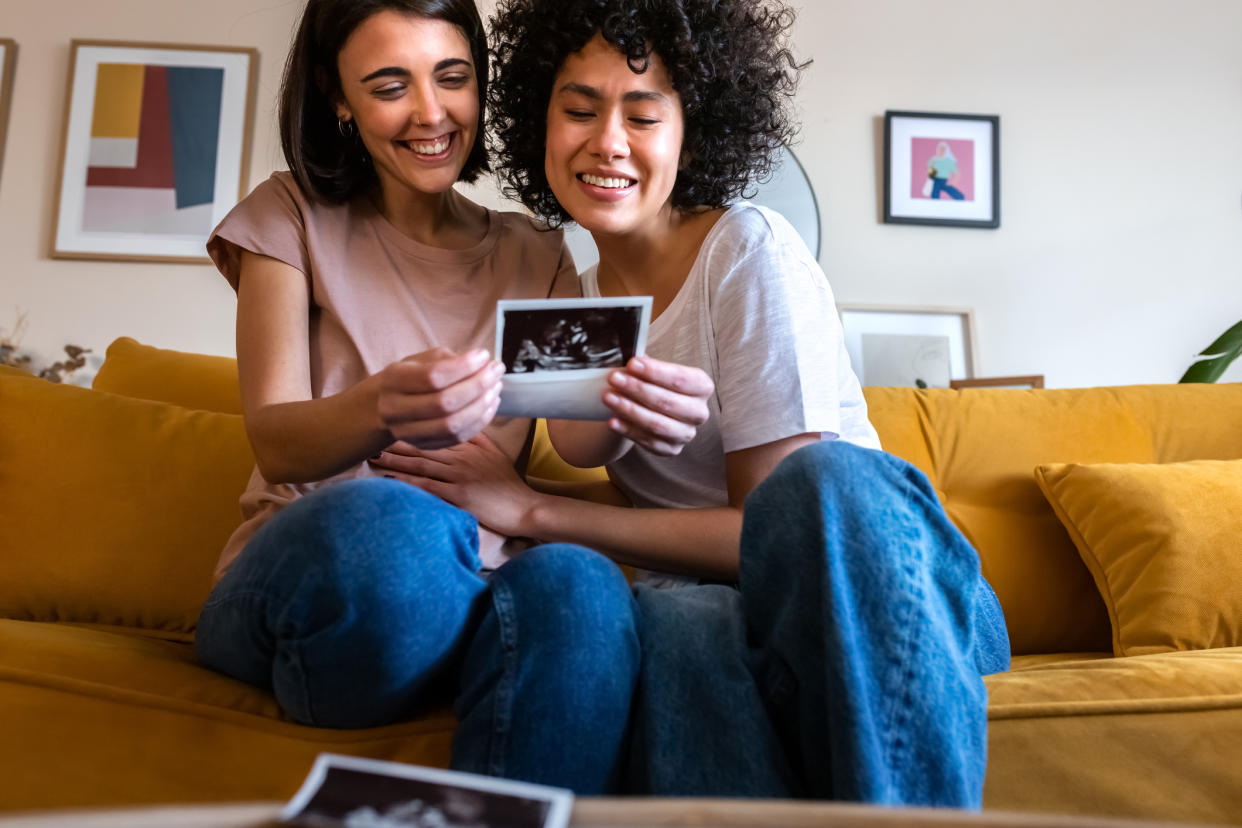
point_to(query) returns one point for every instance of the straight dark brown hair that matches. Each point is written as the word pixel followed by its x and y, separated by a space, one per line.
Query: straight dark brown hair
pixel 330 165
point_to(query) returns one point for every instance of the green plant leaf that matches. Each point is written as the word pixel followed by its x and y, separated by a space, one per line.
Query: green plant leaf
pixel 1216 358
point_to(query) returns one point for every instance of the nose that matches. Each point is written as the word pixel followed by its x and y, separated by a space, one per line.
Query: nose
pixel 425 106
pixel 609 140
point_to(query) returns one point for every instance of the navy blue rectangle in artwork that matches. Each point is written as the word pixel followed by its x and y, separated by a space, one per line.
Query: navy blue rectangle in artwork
pixel 194 96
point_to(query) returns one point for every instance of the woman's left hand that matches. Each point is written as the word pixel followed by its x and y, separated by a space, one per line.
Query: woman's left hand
pixel 475 476
pixel 659 405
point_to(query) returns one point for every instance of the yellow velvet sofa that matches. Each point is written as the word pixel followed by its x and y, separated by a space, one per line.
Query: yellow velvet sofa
pixel 114 503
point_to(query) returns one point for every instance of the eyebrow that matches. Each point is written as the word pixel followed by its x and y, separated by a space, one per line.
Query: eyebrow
pixel 399 72
pixel 594 94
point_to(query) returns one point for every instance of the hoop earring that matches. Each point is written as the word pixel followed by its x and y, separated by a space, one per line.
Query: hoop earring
pixel 347 128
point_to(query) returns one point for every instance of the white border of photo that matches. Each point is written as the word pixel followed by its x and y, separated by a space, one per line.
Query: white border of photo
pixel 574 394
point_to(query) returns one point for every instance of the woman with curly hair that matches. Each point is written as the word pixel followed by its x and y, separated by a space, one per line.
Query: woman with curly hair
pixel 830 625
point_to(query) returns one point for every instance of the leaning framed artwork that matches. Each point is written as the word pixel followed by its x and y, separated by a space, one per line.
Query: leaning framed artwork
pixel 1024 382
pixel 942 169
pixel 155 148
pixel 8 62
pixel 920 347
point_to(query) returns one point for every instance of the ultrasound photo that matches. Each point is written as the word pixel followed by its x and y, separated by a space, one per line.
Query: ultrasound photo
pixel 558 353
pixel 565 339
pixel 350 792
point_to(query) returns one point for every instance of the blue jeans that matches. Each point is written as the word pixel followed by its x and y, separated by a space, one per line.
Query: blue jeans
pixel 846 665
pixel 940 185
pixel 357 606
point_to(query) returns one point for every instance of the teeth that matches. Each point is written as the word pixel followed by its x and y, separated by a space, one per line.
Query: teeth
pixel 435 149
pixel 607 183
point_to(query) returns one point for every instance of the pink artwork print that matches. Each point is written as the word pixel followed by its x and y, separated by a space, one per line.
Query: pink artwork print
pixel 951 163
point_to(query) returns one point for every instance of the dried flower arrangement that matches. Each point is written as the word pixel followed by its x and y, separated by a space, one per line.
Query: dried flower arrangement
pixel 11 357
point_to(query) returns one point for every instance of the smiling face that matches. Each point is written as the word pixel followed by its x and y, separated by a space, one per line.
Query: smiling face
pixel 408 84
pixel 614 141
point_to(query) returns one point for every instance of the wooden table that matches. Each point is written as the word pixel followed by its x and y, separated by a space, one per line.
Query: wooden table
pixel 593 812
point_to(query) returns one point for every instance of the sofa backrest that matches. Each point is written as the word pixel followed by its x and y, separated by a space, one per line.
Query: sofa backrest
pixel 979 447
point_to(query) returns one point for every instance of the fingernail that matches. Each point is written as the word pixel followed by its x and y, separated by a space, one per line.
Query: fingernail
pixel 637 364
pixel 478 355
pixel 611 398
pixel 618 378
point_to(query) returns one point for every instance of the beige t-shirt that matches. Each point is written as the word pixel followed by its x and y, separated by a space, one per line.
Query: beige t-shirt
pixel 377 296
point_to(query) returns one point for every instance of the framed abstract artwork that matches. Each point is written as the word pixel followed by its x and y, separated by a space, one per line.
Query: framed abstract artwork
pixel 8 60
pixel 155 148
pixel 906 347
pixel 942 169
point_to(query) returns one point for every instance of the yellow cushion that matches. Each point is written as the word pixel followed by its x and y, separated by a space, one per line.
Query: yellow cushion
pixel 978 446
pixel 190 380
pixel 112 510
pixel 1161 541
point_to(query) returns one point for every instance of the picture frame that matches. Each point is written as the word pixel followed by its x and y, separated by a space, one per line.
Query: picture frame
pixel 923 347
pixel 8 65
pixel 155 148
pixel 931 155
pixel 1028 381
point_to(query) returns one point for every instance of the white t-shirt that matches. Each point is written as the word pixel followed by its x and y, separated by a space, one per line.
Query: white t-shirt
pixel 757 315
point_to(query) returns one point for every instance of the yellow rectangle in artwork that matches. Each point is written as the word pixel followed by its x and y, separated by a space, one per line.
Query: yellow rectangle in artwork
pixel 118 100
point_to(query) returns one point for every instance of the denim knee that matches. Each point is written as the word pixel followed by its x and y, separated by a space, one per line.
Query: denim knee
pixel 575 591
pixel 347 602
pixel 359 537
pixel 845 469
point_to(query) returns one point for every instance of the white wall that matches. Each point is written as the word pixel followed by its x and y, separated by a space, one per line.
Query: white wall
pixel 1120 250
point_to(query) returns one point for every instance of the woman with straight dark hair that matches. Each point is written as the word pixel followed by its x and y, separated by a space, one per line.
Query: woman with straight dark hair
pixel 366 293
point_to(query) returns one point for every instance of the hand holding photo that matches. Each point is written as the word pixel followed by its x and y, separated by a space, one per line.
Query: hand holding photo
pixel 558 353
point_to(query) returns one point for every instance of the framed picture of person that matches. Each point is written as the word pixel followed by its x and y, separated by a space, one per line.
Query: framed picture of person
pixel 942 169
pixel 8 61
pixel 155 149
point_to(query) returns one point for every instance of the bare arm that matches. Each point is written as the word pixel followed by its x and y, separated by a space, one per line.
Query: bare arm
pixel 698 542
pixel 432 399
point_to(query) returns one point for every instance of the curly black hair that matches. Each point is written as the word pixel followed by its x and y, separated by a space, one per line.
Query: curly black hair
pixel 728 60
pixel 328 161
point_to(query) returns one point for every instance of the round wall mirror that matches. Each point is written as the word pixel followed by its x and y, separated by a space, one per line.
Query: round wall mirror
pixel 789 193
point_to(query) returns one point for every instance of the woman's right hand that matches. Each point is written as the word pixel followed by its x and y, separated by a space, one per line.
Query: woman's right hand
pixel 438 398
